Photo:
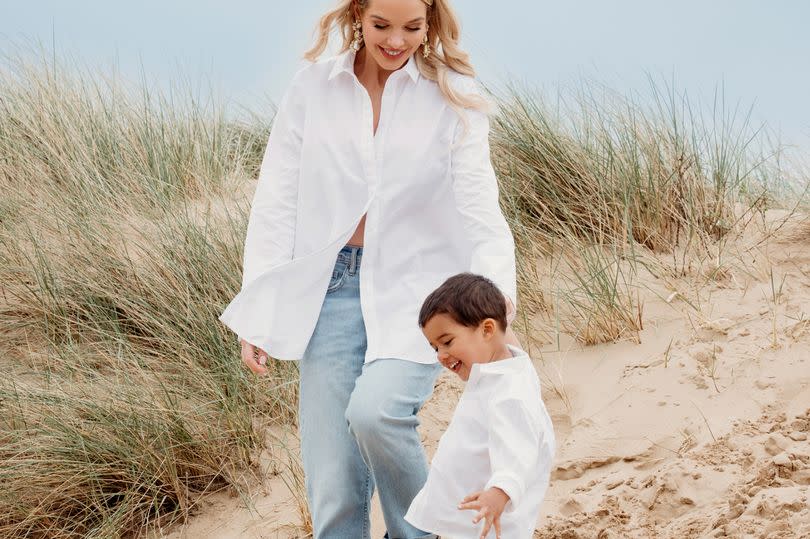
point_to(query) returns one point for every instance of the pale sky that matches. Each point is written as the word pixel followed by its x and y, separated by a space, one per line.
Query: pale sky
pixel 247 50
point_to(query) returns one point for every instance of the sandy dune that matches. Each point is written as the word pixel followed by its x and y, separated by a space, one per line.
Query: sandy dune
pixel 699 431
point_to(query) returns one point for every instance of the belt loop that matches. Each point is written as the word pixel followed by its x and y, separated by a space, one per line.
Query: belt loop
pixel 353 263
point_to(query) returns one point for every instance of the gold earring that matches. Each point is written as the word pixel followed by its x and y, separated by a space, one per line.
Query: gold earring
pixel 358 36
pixel 425 45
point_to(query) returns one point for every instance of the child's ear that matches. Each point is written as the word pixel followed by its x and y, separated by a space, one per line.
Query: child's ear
pixel 489 326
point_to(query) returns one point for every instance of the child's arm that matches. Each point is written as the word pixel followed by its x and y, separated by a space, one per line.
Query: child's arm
pixel 515 438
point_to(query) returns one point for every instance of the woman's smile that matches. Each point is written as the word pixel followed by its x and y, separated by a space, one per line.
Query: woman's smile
pixel 391 53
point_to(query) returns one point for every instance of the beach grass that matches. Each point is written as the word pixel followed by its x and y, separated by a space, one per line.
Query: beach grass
pixel 123 399
pixel 596 183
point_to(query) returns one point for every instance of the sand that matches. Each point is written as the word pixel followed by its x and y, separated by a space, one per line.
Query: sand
pixel 699 431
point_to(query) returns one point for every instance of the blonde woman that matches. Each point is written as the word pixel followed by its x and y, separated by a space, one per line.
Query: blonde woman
pixel 375 187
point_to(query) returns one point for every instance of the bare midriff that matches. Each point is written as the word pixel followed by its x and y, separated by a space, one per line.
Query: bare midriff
pixel 357 237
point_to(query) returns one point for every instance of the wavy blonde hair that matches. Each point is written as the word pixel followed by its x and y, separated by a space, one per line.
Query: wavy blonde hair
pixel 443 35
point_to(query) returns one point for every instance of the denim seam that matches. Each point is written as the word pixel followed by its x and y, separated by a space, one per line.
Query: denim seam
pixel 332 287
pixel 366 531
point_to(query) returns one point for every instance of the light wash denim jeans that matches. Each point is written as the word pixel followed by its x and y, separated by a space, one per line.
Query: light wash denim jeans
pixel 358 422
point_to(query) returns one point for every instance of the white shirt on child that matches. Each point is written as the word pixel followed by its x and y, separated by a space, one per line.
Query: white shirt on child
pixel 500 436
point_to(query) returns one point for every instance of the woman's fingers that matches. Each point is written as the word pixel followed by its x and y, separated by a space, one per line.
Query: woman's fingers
pixel 255 358
pixel 510 310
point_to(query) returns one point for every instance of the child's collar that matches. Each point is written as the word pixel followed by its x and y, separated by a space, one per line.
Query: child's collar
pixel 502 366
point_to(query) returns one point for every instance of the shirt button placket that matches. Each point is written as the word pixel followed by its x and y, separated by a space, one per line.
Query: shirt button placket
pixel 367 298
pixel 375 163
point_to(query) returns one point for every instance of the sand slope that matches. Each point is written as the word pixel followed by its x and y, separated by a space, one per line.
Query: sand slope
pixel 699 431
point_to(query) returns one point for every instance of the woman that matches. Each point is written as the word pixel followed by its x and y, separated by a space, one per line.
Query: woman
pixel 375 187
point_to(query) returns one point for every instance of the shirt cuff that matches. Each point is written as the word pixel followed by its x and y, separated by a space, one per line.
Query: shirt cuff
pixel 511 485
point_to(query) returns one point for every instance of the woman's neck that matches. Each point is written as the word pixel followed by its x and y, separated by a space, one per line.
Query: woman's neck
pixel 368 71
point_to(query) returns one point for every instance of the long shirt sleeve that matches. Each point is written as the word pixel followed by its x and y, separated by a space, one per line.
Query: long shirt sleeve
pixel 271 227
pixel 515 440
pixel 475 188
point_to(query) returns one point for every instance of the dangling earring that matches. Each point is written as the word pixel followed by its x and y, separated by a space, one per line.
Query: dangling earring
pixel 425 45
pixel 358 36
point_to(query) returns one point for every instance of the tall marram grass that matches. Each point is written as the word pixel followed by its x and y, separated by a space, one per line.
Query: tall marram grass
pixel 101 143
pixel 122 217
pixel 597 181
pixel 122 398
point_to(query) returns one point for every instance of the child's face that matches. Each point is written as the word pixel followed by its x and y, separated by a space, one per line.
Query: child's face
pixel 460 347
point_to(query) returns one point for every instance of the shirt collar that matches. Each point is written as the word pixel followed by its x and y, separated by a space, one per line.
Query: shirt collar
pixel 345 62
pixel 516 363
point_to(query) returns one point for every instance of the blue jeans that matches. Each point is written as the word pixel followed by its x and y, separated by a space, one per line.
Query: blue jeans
pixel 358 422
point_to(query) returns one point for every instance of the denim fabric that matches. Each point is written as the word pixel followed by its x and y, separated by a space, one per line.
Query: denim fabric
pixel 358 421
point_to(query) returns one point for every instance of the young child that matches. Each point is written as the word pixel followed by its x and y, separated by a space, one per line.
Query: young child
pixel 495 457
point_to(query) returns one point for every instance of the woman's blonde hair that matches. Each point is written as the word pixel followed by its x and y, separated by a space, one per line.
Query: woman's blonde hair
pixel 443 35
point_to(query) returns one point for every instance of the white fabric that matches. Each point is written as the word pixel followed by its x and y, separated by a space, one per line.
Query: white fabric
pixel 432 210
pixel 500 436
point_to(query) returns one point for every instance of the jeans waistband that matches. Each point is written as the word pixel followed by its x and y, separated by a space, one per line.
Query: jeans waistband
pixel 353 254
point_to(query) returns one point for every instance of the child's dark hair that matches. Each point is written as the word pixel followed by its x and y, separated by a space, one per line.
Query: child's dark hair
pixel 468 299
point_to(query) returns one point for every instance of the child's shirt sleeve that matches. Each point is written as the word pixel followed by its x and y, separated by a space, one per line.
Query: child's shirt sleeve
pixel 515 438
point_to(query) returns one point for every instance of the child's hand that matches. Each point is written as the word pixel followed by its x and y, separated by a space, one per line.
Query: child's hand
pixel 490 504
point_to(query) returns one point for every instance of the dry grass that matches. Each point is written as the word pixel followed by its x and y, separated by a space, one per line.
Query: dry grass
pixel 598 184
pixel 122 399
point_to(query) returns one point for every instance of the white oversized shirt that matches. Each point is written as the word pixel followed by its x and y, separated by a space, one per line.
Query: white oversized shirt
pixel 500 436
pixel 432 209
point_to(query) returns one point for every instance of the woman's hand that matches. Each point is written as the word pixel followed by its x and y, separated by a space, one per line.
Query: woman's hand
pixel 511 338
pixel 510 310
pixel 254 357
